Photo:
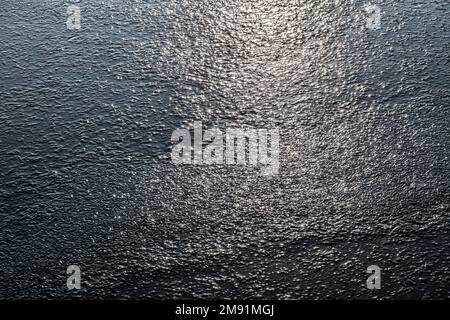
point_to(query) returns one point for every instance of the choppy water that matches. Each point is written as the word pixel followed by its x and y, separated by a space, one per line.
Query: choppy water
pixel 86 177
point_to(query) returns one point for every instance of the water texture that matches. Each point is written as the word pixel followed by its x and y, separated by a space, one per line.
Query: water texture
pixel 86 176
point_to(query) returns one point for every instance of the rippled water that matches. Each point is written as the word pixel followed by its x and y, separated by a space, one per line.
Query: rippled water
pixel 86 177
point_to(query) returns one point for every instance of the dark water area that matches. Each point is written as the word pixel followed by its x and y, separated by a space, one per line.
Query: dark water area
pixel 86 176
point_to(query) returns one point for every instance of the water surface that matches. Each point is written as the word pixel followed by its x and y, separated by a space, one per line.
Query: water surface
pixel 86 177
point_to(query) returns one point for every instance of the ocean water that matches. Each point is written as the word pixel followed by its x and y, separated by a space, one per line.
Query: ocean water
pixel 86 176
